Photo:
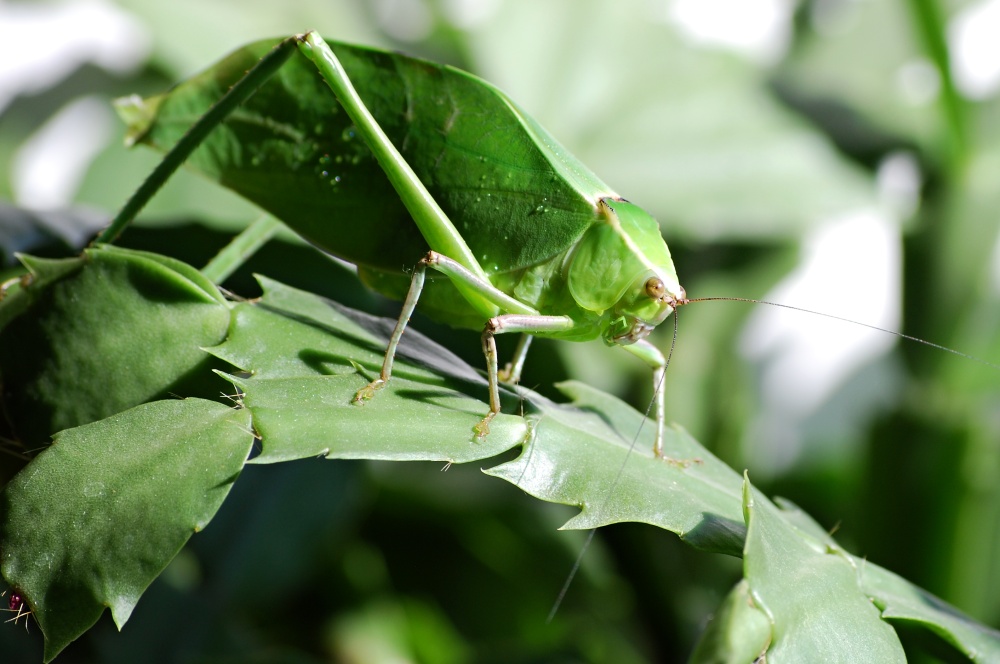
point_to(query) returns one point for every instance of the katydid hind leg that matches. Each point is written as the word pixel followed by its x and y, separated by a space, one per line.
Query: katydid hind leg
pixel 511 373
pixel 409 305
pixel 503 324
pixel 527 323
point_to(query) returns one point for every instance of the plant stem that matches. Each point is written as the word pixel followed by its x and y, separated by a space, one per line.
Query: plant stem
pixel 241 248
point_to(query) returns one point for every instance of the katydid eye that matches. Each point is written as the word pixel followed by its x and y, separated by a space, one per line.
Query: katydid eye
pixel 16 602
pixel 655 288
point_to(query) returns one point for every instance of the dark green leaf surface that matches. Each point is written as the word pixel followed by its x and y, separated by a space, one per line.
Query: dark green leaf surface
pixel 96 517
pixel 300 349
pixel 813 596
pixel 302 352
pixel 304 357
pixel 95 335
pixel 902 601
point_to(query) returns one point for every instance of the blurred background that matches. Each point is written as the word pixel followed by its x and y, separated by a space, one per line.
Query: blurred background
pixel 837 155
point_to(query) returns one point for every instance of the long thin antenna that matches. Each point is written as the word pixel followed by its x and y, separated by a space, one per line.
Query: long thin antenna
pixel 621 469
pixel 901 335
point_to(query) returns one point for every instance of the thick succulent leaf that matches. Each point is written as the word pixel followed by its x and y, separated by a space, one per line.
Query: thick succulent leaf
pixel 303 358
pixel 95 335
pixel 92 520
pixel 902 601
pixel 738 633
pixel 597 454
pixel 812 596
pixel 292 150
pixel 307 358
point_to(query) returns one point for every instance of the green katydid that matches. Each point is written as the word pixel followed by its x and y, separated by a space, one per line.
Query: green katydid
pixel 530 240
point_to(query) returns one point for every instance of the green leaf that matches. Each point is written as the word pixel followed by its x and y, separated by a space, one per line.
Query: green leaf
pixel 169 464
pixel 92 520
pixel 596 453
pixel 307 357
pixel 95 335
pixel 812 596
pixel 738 633
pixel 902 601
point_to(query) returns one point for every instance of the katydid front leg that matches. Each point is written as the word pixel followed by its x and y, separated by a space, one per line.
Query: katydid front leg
pixel 524 319
pixel 653 357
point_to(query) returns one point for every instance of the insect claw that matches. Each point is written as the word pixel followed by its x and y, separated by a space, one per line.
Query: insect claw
pixel 368 391
pixel 483 428
pixel 677 463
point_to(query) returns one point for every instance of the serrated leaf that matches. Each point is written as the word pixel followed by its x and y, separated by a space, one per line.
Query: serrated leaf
pixel 308 357
pixel 902 601
pixel 92 520
pixel 583 455
pixel 813 597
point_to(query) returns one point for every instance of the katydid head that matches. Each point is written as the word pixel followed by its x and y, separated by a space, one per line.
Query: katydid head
pixel 641 309
pixel 622 270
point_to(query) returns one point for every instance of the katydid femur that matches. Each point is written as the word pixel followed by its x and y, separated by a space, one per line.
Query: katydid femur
pixel 465 183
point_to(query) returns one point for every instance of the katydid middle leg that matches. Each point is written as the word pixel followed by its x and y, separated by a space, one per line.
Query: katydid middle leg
pixel 505 323
pixel 511 373
pixel 521 318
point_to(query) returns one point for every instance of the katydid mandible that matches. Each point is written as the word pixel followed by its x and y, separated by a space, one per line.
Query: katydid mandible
pixel 529 239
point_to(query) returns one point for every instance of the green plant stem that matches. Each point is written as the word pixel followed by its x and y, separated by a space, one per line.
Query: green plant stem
pixel 929 24
pixel 241 248
pixel 236 95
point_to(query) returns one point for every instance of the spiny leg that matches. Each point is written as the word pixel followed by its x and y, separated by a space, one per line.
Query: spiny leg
pixel 505 323
pixel 511 373
pixel 409 304
pixel 652 356
pixel 462 277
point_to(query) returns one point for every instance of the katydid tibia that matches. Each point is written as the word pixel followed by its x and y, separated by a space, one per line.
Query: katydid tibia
pixel 464 183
